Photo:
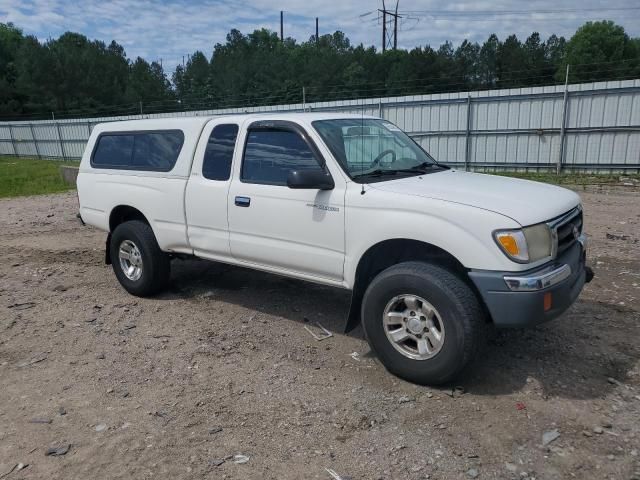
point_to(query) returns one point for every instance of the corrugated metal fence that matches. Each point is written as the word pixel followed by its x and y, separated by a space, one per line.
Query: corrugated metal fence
pixel 594 126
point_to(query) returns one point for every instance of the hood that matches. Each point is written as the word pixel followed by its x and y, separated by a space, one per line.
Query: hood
pixel 524 201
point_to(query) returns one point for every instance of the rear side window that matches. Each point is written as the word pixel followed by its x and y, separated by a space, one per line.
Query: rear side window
pixel 270 155
pixel 113 151
pixel 219 152
pixel 155 151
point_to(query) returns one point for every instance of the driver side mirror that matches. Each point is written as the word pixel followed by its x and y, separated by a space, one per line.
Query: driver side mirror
pixel 310 179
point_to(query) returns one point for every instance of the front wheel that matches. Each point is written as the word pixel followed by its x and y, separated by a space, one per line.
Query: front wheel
pixel 139 264
pixel 423 322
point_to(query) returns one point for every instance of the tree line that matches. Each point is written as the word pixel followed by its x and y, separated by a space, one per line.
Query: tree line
pixel 75 76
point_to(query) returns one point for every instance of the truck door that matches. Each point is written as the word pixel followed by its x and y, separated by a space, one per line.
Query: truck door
pixel 270 224
pixel 208 188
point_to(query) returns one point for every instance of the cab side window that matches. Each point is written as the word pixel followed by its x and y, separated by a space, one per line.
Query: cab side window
pixel 270 154
pixel 219 152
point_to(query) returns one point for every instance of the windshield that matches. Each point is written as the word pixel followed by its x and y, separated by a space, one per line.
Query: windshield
pixel 372 149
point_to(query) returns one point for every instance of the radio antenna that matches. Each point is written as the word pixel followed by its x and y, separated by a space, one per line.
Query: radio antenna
pixel 362 191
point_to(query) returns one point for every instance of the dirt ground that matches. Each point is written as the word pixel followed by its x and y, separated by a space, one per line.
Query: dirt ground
pixel 221 365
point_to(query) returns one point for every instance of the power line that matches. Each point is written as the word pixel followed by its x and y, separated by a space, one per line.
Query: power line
pixel 492 15
pixel 533 20
pixel 464 13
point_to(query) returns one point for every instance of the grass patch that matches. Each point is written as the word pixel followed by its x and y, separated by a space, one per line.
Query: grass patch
pixel 30 176
pixel 575 178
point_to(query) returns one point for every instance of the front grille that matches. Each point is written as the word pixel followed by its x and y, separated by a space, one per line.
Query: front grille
pixel 565 229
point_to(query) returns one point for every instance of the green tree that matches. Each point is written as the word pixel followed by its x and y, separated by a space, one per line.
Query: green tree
pixel 535 60
pixel 33 85
pixel 78 76
pixel 512 64
pixel 468 63
pixel 554 51
pixel 488 61
pixel 147 83
pixel 11 40
pixel 192 82
pixel 600 51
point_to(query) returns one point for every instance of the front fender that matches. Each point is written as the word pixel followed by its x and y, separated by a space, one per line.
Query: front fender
pixel 464 232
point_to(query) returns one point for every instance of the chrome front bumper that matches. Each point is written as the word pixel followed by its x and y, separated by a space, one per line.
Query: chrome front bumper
pixel 542 279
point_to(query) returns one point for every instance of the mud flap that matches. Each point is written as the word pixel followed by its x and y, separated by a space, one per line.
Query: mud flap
pixel 107 250
pixel 353 317
pixel 589 274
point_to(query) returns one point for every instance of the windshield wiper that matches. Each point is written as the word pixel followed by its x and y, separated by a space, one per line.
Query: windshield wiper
pixel 424 166
pixel 378 173
pixel 417 169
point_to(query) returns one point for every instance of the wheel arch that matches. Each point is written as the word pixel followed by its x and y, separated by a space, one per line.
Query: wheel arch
pixel 120 214
pixel 123 213
pixel 387 253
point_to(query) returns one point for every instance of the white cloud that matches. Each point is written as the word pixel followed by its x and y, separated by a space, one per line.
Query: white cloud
pixel 157 29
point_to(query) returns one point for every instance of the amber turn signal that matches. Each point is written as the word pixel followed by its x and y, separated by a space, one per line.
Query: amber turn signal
pixel 547 301
pixel 510 244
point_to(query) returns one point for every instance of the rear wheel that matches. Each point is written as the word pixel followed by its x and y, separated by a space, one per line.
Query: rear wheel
pixel 423 322
pixel 139 264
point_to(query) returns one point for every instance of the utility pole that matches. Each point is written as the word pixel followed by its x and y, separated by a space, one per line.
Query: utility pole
pixel 384 27
pixel 317 37
pixel 563 126
pixel 281 26
pixel 386 41
pixel 395 27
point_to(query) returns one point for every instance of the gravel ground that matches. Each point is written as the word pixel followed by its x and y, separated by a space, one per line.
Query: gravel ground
pixel 179 385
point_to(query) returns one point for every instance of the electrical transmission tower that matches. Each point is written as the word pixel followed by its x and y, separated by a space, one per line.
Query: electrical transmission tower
pixel 389 36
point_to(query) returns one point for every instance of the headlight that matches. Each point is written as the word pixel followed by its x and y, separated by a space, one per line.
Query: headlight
pixel 525 245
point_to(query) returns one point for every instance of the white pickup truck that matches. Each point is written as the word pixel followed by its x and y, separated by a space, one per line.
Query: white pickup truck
pixel 431 254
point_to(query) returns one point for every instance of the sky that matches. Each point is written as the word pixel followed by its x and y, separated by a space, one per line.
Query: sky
pixel 171 29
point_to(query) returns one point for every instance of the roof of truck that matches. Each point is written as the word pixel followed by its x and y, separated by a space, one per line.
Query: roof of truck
pixel 199 121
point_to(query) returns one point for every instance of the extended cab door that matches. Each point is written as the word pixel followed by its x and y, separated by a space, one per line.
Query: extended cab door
pixel 208 189
pixel 299 230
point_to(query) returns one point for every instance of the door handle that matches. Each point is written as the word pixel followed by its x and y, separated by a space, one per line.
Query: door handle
pixel 243 201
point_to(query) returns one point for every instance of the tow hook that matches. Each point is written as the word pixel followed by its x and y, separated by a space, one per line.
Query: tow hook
pixel 589 274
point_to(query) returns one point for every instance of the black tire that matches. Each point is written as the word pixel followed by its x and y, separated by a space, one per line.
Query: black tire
pixel 156 266
pixel 459 310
